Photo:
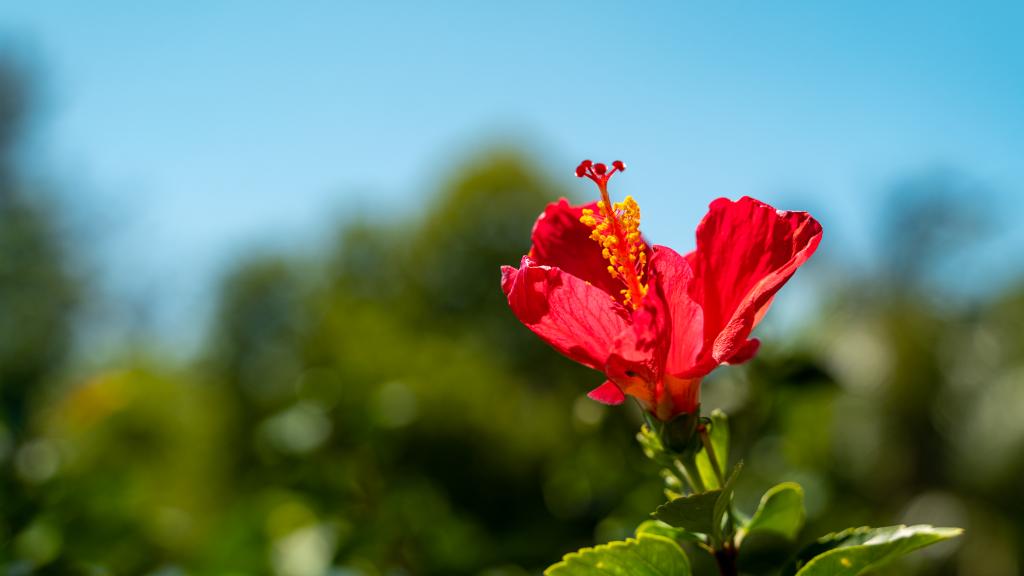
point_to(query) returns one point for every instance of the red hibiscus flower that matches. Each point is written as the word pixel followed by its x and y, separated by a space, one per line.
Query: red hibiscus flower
pixel 653 321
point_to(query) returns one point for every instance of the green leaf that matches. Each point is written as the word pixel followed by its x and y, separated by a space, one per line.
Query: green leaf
pixel 856 550
pixel 646 555
pixel 781 511
pixel 693 513
pixel 659 528
pixel 719 437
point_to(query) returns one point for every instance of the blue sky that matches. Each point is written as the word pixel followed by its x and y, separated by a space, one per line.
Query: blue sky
pixel 208 130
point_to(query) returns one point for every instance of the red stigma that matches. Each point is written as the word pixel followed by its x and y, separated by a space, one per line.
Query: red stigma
pixel 581 170
pixel 599 172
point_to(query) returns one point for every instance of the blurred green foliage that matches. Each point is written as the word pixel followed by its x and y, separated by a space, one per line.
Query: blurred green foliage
pixel 376 409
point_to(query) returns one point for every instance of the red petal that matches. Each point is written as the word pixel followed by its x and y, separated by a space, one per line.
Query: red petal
pixel 685 394
pixel 671 275
pixel 657 361
pixel 638 361
pixel 607 393
pixel 744 352
pixel 561 240
pixel 571 315
pixel 746 251
pixel 634 379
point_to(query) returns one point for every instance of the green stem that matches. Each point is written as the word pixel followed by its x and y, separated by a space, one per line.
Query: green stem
pixel 706 440
pixel 725 557
pixel 682 473
pixel 689 466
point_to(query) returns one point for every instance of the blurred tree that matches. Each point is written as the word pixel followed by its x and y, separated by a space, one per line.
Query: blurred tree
pixel 37 294
pixel 931 220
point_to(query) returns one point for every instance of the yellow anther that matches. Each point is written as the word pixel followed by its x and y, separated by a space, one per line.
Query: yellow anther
pixel 616 227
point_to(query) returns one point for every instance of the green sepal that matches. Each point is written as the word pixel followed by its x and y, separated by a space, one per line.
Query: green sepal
pixel 672 439
pixel 645 555
pixel 680 434
pixel 856 550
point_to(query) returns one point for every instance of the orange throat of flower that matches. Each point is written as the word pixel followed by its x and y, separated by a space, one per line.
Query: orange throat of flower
pixel 616 227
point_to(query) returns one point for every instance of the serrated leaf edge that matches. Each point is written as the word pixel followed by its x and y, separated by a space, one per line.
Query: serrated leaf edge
pixel 610 546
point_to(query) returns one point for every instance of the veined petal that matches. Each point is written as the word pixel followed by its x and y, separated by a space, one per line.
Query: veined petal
pixel 561 240
pixel 671 278
pixel 576 318
pixel 746 250
pixel 657 361
pixel 745 352
pixel 637 363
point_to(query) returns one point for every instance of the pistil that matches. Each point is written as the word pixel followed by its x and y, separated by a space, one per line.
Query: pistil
pixel 617 231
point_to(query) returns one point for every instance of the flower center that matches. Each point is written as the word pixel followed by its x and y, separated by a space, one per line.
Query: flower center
pixel 617 229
